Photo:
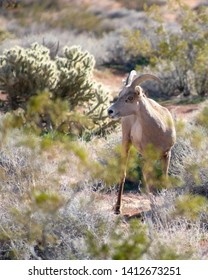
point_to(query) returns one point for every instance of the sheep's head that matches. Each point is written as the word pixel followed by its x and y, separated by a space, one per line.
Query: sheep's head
pixel 130 96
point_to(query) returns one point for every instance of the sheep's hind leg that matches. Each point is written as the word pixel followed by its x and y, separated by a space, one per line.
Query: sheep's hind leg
pixel 166 163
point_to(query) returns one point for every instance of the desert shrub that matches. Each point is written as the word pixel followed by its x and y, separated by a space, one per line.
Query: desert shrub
pixel 4 35
pixel 177 225
pixel 132 244
pixel 45 216
pixel 139 5
pixel 55 41
pixel 189 160
pixel 25 72
pixel 58 14
pixel 79 18
pixel 179 55
pixel 202 117
pixel 78 67
pixel 9 3
pixel 191 206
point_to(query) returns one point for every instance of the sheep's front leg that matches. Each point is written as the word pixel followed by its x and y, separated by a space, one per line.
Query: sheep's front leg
pixel 166 163
pixel 124 160
pixel 117 208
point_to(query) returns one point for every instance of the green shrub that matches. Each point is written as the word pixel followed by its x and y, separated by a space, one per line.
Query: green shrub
pixel 9 3
pixel 44 210
pixel 77 67
pixel 131 245
pixel 191 206
pixel 180 56
pixel 79 18
pixel 202 117
pixel 57 14
pixel 46 216
pixel 4 35
pixel 25 73
pixel 139 4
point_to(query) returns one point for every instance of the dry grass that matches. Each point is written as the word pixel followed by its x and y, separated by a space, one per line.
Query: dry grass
pixel 183 238
pixel 50 204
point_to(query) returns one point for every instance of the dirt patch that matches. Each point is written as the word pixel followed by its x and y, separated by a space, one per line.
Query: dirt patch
pixel 133 204
pixel 184 111
pixel 3 96
pixel 112 81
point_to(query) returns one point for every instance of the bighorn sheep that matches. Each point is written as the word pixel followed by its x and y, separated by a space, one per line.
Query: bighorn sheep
pixel 144 122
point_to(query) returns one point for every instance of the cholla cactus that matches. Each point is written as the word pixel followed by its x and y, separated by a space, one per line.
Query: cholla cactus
pixel 75 76
pixel 25 72
pixel 77 86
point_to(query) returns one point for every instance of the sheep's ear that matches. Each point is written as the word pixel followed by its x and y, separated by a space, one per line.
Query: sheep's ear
pixel 138 90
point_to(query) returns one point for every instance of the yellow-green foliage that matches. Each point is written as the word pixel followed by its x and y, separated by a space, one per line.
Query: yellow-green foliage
pixel 191 206
pixel 136 43
pixel 39 178
pixel 58 14
pixel 184 52
pixel 165 252
pixel 80 18
pixel 202 117
pixel 129 244
pixel 46 211
pixel 4 35
pixel 140 4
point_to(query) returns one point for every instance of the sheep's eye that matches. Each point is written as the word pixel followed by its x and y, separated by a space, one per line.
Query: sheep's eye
pixel 130 99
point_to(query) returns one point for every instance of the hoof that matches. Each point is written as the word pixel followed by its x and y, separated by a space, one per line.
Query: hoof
pixel 117 210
